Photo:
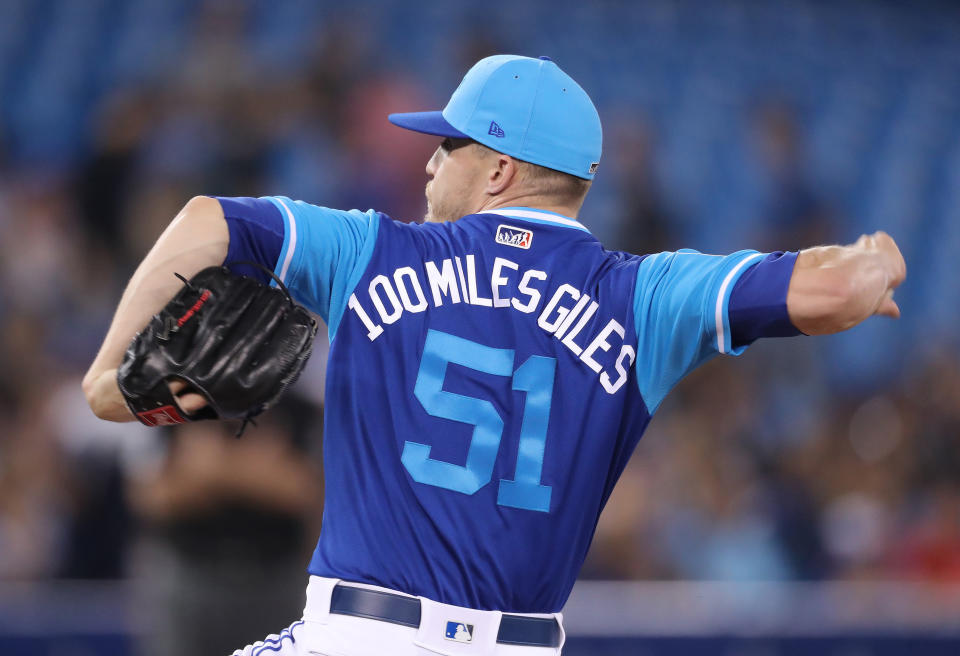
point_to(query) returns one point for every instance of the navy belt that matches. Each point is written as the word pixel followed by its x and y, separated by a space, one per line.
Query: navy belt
pixel 397 609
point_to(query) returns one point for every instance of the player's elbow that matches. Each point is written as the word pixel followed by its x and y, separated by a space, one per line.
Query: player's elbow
pixel 89 392
pixel 94 399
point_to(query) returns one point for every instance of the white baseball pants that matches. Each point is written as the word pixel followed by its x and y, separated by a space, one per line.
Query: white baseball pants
pixel 321 633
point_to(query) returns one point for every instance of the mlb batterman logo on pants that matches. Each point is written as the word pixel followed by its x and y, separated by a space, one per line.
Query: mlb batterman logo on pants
pixel 484 388
pixel 459 632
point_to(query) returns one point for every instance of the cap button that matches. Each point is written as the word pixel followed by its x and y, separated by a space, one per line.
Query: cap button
pixel 545 58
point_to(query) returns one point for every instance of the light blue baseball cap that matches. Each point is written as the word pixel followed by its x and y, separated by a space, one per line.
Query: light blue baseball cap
pixel 523 107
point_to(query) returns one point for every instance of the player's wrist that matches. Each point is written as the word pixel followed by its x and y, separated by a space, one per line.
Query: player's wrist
pixel 104 397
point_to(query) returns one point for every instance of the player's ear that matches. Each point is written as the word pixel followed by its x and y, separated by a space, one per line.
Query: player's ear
pixel 501 172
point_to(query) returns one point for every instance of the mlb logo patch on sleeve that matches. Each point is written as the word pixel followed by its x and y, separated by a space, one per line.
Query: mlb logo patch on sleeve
pixel 459 632
pixel 516 237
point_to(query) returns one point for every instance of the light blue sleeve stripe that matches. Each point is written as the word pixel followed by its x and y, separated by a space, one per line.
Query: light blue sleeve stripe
pixel 722 314
pixel 286 253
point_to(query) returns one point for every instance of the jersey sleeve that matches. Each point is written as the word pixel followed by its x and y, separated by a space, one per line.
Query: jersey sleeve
pixel 256 235
pixel 323 255
pixel 681 314
pixel 758 302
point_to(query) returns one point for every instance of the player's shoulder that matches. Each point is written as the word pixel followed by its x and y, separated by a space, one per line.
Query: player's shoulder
pixel 462 231
pixel 617 270
pixel 304 210
pixel 690 261
pixel 622 259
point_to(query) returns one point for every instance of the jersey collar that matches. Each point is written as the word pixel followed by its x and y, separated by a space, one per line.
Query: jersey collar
pixel 537 216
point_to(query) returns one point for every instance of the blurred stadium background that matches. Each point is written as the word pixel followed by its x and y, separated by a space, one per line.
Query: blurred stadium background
pixel 804 498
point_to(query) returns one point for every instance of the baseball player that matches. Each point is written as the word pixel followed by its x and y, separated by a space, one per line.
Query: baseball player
pixel 491 370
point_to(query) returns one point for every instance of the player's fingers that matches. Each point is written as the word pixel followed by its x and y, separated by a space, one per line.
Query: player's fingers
pixel 188 401
pixel 889 308
pixel 191 402
pixel 897 265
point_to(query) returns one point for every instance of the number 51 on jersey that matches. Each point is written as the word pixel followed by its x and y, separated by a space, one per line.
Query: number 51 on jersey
pixel 535 377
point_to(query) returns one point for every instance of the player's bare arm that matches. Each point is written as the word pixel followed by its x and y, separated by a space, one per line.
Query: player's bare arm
pixel 834 288
pixel 197 238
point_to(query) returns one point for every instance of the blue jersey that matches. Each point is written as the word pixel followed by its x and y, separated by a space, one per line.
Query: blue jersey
pixel 487 382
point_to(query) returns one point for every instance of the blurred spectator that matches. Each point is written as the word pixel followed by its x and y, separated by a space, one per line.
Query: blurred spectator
pixel 33 506
pixel 229 527
pixel 385 165
pixel 935 395
pixel 97 458
pixel 306 157
pixel 39 250
pixel 794 213
pixel 646 224
pixel 105 179
pixel 626 544
pixel 792 506
pixel 475 42
pixel 930 547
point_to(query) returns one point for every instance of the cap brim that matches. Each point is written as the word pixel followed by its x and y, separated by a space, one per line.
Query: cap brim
pixel 427 123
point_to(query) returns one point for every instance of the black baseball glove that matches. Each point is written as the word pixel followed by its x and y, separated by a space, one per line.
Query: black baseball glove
pixel 230 338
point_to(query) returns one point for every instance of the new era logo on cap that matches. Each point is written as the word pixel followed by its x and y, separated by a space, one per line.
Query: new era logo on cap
pixel 459 632
pixel 496 130
pixel 516 237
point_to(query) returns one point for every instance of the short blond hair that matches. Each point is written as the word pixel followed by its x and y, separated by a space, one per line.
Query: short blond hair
pixel 548 182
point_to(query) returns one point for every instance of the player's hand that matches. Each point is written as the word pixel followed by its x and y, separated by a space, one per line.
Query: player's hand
pixel 107 402
pixel 187 355
pixel 834 288
pixel 189 402
pixel 894 266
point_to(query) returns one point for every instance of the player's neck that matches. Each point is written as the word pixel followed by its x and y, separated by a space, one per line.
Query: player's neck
pixel 529 200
